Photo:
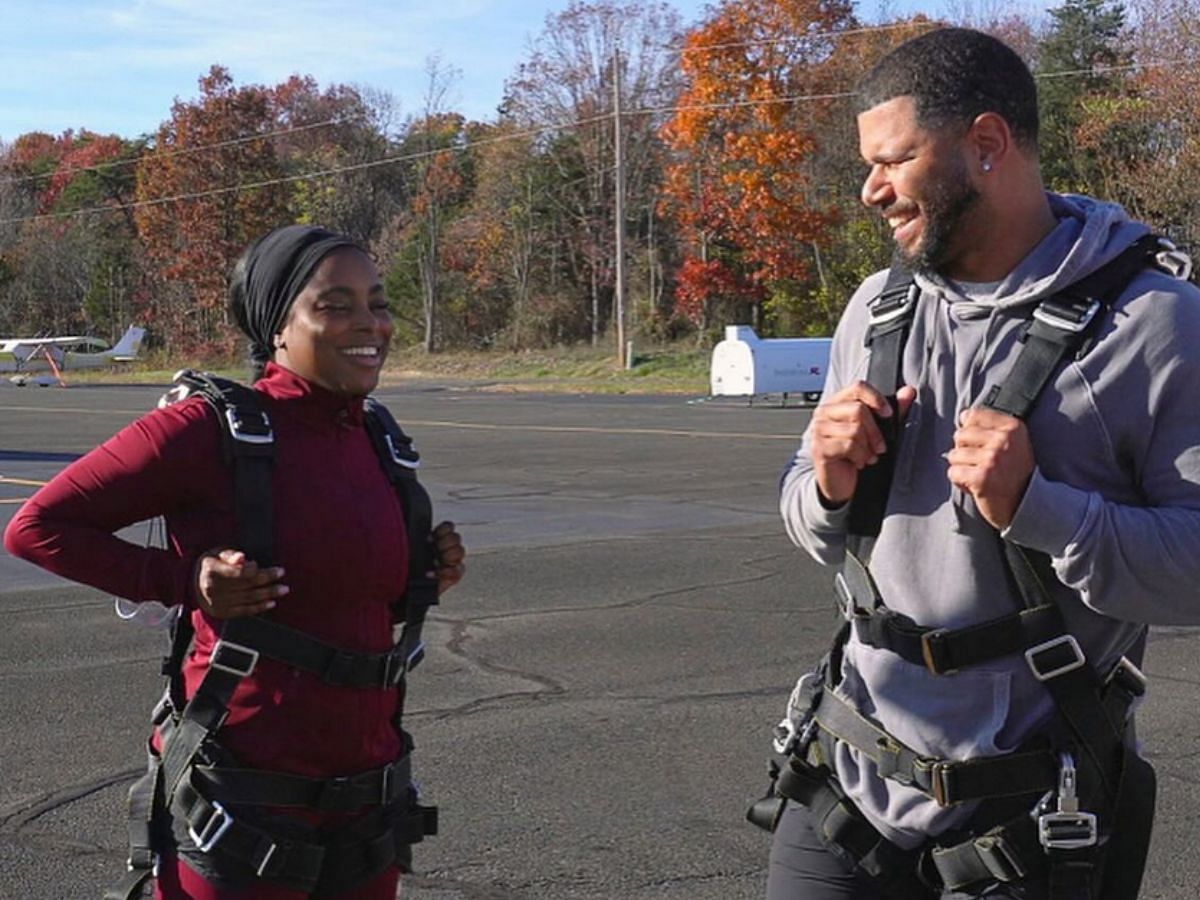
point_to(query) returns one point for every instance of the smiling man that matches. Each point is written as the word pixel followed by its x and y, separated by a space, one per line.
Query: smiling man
pixel 1006 470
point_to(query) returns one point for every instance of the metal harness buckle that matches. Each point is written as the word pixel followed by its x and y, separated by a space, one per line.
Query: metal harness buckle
pixel 1065 315
pixel 1063 640
pixel 1000 859
pixel 243 661
pixel 1068 827
pixel 247 433
pixel 213 829
pixel 262 866
pixel 892 305
pixel 398 458
pixel 844 597
pixel 1128 676
pixel 399 663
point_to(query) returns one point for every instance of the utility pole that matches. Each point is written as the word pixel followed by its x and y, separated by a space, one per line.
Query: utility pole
pixel 619 209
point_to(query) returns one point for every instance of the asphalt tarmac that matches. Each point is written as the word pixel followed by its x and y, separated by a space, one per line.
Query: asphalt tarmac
pixel 595 711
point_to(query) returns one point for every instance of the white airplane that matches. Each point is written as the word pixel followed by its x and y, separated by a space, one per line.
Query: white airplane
pixel 59 354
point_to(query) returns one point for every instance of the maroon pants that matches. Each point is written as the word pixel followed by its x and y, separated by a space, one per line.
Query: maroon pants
pixel 176 881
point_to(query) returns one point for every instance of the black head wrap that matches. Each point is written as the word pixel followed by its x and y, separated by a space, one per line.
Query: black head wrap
pixel 269 276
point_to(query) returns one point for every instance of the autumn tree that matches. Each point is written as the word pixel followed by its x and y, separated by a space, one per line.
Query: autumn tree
pixel 566 87
pixel 501 244
pixel 1145 141
pixel 437 179
pixel 207 186
pixel 763 81
pixel 1075 66
pixel 343 131
pixel 69 256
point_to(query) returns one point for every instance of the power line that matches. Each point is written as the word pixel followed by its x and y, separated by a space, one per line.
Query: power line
pixel 531 132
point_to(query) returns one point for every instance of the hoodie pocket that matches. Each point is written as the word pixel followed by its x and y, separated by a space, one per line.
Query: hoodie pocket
pixel 954 716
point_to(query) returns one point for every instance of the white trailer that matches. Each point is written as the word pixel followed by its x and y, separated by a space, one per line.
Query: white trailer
pixel 745 365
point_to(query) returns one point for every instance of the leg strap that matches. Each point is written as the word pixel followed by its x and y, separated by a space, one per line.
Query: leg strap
pixel 308 862
pixel 842 828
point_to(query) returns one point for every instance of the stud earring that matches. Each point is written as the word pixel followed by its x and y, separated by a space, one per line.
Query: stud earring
pixel 986 166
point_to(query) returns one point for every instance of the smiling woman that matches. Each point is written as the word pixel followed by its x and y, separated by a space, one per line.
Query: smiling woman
pixel 290 567
pixel 339 328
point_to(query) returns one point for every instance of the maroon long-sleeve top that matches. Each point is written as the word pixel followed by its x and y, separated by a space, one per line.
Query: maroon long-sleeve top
pixel 340 538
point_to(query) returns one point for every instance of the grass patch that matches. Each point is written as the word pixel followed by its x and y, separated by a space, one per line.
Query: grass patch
pixel 680 369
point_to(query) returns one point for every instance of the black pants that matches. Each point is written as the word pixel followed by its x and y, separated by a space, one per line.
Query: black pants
pixel 802 868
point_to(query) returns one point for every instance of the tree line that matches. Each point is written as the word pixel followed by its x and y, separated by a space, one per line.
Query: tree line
pixel 739 164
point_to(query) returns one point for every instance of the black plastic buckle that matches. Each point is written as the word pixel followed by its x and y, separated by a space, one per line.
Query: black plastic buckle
pixel 233 658
pixel 892 305
pixel 249 432
pixel 1047 662
pixel 409 460
pixel 1067 315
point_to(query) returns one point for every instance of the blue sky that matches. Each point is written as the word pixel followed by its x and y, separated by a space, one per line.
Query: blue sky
pixel 115 66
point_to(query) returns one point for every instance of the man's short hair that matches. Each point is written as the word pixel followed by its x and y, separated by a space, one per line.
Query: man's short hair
pixel 953 76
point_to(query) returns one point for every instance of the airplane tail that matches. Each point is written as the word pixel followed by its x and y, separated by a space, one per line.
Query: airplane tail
pixel 127 347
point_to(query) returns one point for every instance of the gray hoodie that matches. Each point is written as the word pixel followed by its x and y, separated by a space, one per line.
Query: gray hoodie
pixel 1114 500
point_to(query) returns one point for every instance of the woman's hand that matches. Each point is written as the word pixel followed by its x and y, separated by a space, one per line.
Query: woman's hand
pixel 450 556
pixel 229 586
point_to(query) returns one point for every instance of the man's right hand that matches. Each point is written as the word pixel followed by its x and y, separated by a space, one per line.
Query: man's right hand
pixel 846 438
pixel 228 585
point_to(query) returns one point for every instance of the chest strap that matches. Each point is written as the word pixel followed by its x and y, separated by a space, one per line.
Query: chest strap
pixel 333 665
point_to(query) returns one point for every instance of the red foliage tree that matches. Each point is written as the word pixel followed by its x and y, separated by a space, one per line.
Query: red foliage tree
pixel 208 186
pixel 763 78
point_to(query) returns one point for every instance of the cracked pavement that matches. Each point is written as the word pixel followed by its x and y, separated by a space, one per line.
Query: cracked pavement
pixel 594 712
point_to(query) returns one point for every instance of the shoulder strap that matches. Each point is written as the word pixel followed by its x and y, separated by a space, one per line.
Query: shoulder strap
pixel 891 315
pixel 249 445
pixel 400 461
pixel 1064 324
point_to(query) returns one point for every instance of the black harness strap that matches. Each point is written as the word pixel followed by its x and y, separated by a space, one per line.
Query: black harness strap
pixel 255 787
pixel 1062 325
pixel 891 315
pixel 248 442
pixel 401 461
pixel 946 781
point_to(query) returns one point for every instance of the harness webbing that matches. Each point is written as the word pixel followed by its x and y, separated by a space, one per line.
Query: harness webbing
pixel 891 315
pixel 193 779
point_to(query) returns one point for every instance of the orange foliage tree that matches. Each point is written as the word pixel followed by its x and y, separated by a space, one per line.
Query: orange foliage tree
pixel 199 208
pixel 763 80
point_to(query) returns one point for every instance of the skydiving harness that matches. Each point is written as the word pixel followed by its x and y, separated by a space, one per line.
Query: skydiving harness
pixel 1096 794
pixel 195 782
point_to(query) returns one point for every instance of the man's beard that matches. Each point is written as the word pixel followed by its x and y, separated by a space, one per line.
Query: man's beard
pixel 948 200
